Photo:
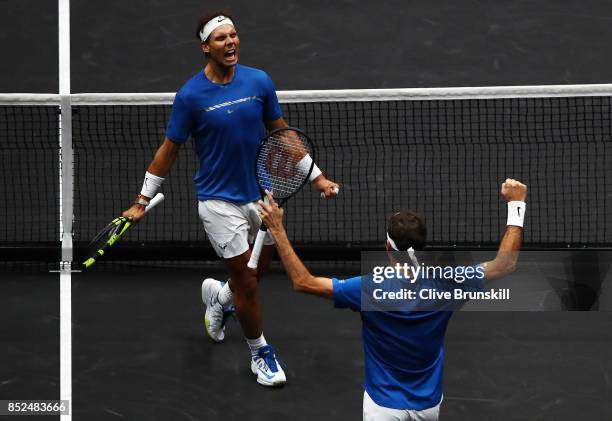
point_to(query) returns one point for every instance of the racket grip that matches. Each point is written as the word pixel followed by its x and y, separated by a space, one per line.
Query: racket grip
pixel 159 197
pixel 261 235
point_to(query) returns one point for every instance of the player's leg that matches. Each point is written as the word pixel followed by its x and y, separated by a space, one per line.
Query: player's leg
pixel 264 362
pixel 251 212
pixel 243 283
pixel 227 231
pixel 226 295
pixel 230 228
pixel 429 414
pixel 227 228
pixel 265 259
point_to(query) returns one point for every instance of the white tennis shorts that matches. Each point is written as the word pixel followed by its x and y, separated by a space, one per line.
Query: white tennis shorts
pixel 230 227
pixel 374 412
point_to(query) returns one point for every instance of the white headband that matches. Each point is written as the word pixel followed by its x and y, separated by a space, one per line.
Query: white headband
pixel 410 251
pixel 213 24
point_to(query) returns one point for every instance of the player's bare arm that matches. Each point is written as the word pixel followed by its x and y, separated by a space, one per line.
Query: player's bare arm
pixel 160 166
pixel 303 280
pixel 276 124
pixel 328 188
pixel 515 193
pixel 164 158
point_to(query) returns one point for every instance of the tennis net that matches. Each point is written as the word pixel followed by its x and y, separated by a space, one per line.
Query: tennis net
pixel 29 189
pixel 442 152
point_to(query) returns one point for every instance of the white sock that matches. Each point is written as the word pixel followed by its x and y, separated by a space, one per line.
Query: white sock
pixel 255 344
pixel 225 296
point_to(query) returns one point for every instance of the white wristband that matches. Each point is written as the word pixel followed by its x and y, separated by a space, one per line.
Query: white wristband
pixel 516 213
pixel 304 166
pixel 151 185
pixel 315 173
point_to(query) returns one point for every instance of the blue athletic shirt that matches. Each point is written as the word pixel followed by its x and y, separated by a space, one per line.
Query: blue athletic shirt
pixel 227 124
pixel 403 350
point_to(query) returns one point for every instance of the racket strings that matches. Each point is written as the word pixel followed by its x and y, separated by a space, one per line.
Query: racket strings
pixel 281 168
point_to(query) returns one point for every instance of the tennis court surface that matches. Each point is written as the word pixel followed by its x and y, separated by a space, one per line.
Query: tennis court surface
pixel 126 340
pixel 138 345
pixel 140 351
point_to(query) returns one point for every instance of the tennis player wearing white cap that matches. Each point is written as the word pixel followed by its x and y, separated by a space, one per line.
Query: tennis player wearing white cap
pixel 226 109
pixel 403 350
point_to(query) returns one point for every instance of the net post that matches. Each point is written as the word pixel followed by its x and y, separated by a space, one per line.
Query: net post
pixel 66 180
pixel 66 167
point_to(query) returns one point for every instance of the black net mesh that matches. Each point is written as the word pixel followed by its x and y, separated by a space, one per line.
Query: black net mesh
pixel 113 145
pixel 447 159
pixel 29 175
pixel 443 158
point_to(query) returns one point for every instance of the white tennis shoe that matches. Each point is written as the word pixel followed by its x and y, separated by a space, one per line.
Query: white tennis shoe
pixel 267 368
pixel 214 319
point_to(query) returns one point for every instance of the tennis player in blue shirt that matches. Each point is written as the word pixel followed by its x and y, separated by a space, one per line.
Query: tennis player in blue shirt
pixel 403 350
pixel 225 109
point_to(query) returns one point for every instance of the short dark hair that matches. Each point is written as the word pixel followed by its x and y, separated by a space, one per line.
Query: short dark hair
pixel 207 17
pixel 407 229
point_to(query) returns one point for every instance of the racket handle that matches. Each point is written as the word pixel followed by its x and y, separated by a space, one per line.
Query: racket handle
pixel 159 197
pixel 261 235
pixel 335 190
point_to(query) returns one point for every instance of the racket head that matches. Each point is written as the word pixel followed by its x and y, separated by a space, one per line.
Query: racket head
pixel 105 239
pixel 279 166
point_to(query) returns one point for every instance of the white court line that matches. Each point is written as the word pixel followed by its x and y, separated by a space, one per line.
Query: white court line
pixel 63 7
pixel 66 340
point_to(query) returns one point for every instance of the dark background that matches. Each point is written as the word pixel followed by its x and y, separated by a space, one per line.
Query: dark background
pixel 149 46
pixel 501 366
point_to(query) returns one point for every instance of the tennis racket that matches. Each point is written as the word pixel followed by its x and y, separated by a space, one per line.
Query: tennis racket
pixel 112 232
pixel 282 168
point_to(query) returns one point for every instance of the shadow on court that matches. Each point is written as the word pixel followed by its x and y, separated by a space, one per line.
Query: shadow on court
pixel 141 352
